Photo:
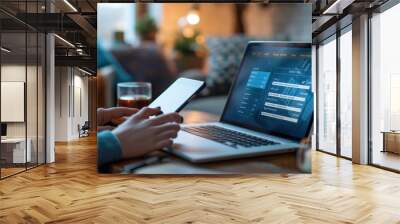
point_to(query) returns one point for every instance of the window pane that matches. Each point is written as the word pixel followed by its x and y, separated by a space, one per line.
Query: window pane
pixel 346 94
pixel 327 97
pixel 116 17
pixel 386 88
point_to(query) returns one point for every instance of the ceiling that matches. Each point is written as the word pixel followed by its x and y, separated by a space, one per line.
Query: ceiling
pixel 76 25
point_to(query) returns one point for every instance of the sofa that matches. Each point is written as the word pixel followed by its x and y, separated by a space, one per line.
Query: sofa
pixel 224 56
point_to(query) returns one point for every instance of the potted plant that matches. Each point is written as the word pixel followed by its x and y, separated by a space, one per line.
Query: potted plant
pixel 188 51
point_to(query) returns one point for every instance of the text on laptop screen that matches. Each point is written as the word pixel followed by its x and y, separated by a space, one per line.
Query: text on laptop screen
pixel 272 92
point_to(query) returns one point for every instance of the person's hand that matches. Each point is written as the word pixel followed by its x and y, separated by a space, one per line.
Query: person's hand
pixel 114 115
pixel 140 134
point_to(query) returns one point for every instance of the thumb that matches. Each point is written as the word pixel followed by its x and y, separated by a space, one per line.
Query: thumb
pixel 145 113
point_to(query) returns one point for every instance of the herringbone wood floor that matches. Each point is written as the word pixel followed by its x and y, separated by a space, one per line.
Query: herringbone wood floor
pixel 70 191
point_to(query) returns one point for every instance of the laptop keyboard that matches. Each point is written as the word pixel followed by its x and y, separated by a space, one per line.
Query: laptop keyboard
pixel 228 137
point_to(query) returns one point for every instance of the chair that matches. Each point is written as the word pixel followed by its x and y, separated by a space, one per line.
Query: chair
pixel 144 63
pixel 84 130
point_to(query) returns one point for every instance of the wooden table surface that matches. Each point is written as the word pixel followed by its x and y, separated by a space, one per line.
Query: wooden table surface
pixel 71 191
pixel 170 164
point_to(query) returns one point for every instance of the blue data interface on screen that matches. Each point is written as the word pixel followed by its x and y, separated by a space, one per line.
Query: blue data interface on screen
pixel 273 91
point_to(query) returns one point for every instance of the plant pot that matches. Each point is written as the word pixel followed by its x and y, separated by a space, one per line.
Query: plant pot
pixel 187 62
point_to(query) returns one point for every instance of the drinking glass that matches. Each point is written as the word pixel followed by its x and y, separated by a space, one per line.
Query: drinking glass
pixel 134 94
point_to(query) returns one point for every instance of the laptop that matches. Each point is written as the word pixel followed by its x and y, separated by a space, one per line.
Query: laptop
pixel 269 109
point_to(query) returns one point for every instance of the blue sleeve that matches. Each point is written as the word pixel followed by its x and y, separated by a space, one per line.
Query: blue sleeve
pixel 108 150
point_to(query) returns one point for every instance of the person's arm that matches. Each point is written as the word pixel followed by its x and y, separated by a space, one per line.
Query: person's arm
pixel 138 135
pixel 108 150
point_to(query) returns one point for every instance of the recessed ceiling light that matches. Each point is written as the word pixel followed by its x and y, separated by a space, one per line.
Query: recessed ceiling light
pixel 5 50
pixel 70 5
pixel 338 6
pixel 84 71
pixel 65 41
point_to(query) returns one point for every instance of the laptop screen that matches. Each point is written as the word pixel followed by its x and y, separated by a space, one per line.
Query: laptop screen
pixel 3 129
pixel 272 92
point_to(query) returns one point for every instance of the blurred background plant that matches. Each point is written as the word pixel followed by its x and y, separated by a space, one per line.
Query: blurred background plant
pixel 188 49
pixel 187 45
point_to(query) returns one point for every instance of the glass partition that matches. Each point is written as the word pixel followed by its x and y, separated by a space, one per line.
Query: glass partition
pixel 22 88
pixel 14 153
pixel 41 96
pixel 31 97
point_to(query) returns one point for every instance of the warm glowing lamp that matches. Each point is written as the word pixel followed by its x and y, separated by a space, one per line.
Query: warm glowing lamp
pixel 193 17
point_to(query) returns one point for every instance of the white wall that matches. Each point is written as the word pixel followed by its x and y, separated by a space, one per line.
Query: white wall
pixel 71 94
pixel 12 73
pixel 62 81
